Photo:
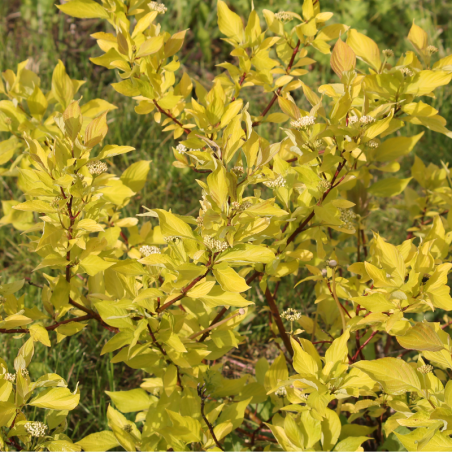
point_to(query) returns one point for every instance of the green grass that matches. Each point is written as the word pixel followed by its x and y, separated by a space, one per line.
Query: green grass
pixel 33 28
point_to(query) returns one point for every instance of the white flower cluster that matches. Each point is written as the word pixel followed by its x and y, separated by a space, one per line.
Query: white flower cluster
pixel 281 392
pixel 10 377
pixel 181 148
pixel 425 369
pixel 56 202
pixel 241 207
pixel 238 170
pixel 147 250
pixel 388 53
pixel 291 314
pixel 432 49
pixel 24 372
pixel 171 239
pixel 365 120
pixel 352 120
pixel 406 71
pixel 278 182
pixel 283 16
pixel 96 168
pixel 373 144
pixel 36 429
pixel 323 185
pixel 159 7
pixel 214 244
pixel 347 217
pixel 303 122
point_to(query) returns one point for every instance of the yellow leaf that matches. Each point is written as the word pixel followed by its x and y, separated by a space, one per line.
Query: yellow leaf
pixel 83 9
pixel 99 442
pixel 96 131
pixel 56 399
pixel 418 37
pixel 39 333
pixel 392 186
pixel 230 23
pixel 150 46
pixel 229 280
pixel 421 337
pixel 396 147
pixel 343 58
pixel 365 48
pixel 174 44
pixel 130 401
pixel 394 375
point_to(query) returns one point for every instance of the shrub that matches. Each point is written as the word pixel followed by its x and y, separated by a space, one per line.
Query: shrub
pixel 172 294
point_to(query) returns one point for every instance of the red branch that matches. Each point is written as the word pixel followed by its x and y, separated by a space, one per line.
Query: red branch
pixel 169 115
pixel 278 92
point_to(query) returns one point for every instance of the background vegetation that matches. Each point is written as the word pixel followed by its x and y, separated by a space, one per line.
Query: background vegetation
pixel 35 29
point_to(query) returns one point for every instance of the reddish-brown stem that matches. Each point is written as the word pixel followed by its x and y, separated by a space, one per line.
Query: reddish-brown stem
pixel 242 79
pixel 355 356
pixel 341 305
pixel 278 92
pixel 33 284
pixel 311 215
pixel 50 327
pixel 202 396
pixel 182 295
pixel 363 237
pixel 217 318
pixel 169 115
pixel 275 312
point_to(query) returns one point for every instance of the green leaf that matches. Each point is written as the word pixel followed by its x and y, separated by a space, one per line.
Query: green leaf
pixel 421 337
pixel 247 253
pixel 83 9
pixel 230 23
pixel 394 375
pixel 56 399
pixel 99 442
pixel 389 187
pixel 130 401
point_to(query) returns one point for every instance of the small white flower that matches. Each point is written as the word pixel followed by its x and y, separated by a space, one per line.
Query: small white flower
pixel 215 245
pixel 352 120
pixel 365 120
pixel 291 314
pixel 323 185
pixel 24 372
pixel 96 168
pixel 388 53
pixel 278 182
pixel 281 392
pixel 171 239
pixel 36 429
pixel 432 49
pixel 181 148
pixel 147 250
pixel 159 7
pixel 347 138
pixel 284 16
pixel 425 369
pixel 347 217
pixel 407 72
pixel 238 170
pixel 373 144
pixel 303 122
pixel 10 377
